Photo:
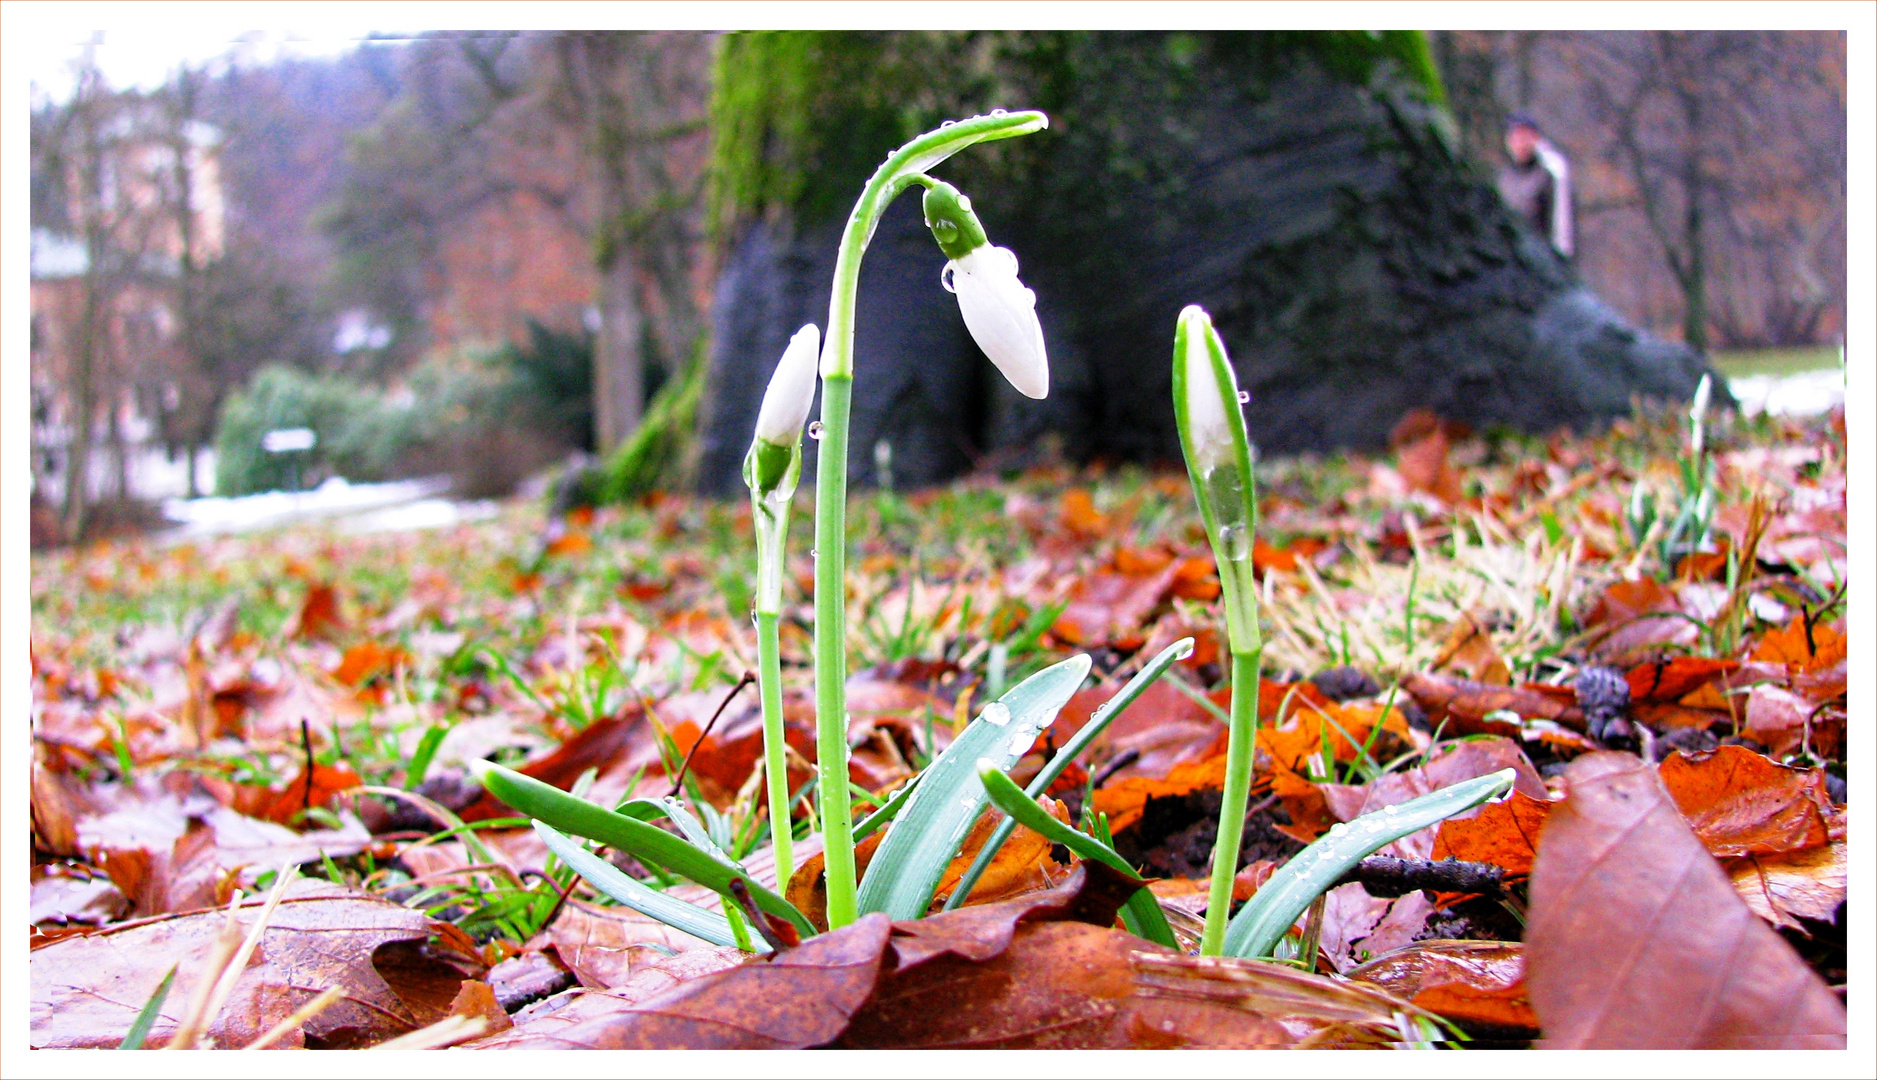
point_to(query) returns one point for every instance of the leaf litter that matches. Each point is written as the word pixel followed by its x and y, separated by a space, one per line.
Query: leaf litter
pixel 209 713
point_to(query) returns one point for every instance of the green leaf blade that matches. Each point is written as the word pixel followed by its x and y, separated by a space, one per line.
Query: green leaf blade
pixel 1141 913
pixel 1274 908
pixel 906 868
pixel 579 817
pixel 607 878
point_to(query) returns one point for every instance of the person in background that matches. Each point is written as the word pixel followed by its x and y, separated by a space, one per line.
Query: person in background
pixel 1536 182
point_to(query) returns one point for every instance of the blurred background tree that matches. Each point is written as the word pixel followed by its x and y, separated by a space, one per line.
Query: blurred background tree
pixel 453 220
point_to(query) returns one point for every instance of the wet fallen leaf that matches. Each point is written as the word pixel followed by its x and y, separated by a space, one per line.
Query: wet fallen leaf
pixel 1795 885
pixel 1467 705
pixel 1057 985
pixel 1741 803
pixel 1023 864
pixel 793 999
pixel 603 945
pixel 1637 939
pixel 1477 984
pixel 86 989
pixel 1463 761
pixel 1504 834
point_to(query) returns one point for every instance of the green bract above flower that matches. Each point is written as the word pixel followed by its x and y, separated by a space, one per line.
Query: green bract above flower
pixel 791 390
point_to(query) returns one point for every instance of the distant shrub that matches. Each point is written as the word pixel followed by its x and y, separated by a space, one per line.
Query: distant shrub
pixel 360 434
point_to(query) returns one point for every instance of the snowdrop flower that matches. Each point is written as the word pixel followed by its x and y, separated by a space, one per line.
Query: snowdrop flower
pixel 998 310
pixel 791 390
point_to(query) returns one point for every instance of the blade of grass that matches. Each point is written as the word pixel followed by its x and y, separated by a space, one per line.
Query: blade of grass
pixel 647 842
pixel 1274 908
pixel 140 1027
pixel 906 867
pixel 642 898
pixel 1141 913
pixel 1077 743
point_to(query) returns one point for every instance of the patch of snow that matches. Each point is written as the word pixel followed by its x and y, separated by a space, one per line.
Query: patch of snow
pixel 334 498
pixel 422 514
pixel 1807 393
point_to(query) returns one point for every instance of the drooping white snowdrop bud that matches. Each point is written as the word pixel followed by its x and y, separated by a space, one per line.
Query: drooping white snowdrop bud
pixel 791 390
pixel 998 310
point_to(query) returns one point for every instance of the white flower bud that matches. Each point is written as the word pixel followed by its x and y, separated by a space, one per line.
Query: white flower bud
pixel 791 390
pixel 1207 429
pixel 1001 315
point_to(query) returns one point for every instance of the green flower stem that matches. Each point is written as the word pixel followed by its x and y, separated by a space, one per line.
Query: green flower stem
pixel 775 751
pixel 837 824
pixel 1240 745
pixel 901 170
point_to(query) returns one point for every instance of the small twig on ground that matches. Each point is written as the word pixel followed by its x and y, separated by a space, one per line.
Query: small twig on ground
pixel 1385 875
pixel 677 783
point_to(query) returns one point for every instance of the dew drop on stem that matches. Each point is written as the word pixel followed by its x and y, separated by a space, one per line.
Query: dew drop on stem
pixel 1244 397
pixel 815 430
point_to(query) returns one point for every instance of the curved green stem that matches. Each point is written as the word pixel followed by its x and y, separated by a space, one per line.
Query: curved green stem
pixel 901 170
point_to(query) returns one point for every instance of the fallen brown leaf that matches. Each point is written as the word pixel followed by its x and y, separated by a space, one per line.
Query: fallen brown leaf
pixel 1637 939
pixel 1795 885
pixel 86 989
pixel 1741 803
pixel 1504 834
pixel 1477 984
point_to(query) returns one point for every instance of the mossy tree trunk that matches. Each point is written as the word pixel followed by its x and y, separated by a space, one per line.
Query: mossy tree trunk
pixel 1302 186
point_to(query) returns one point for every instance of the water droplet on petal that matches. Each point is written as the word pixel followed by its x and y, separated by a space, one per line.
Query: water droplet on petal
pixel 999 112
pixel 815 430
pixel 1244 397
pixel 997 714
pixel 948 123
pixel 945 277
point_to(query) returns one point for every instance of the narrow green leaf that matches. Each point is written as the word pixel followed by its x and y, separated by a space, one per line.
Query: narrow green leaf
pixel 607 878
pixel 420 760
pixel 1141 913
pixel 894 804
pixel 146 1018
pixel 1274 908
pixel 906 867
pixel 648 842
pixel 1097 723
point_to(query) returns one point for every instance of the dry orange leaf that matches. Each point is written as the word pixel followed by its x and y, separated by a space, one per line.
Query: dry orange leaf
pixel 1790 645
pixel 1742 803
pixel 1504 834
pixel 1673 680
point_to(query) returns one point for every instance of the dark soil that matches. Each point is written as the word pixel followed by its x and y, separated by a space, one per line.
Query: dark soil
pixel 1175 835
